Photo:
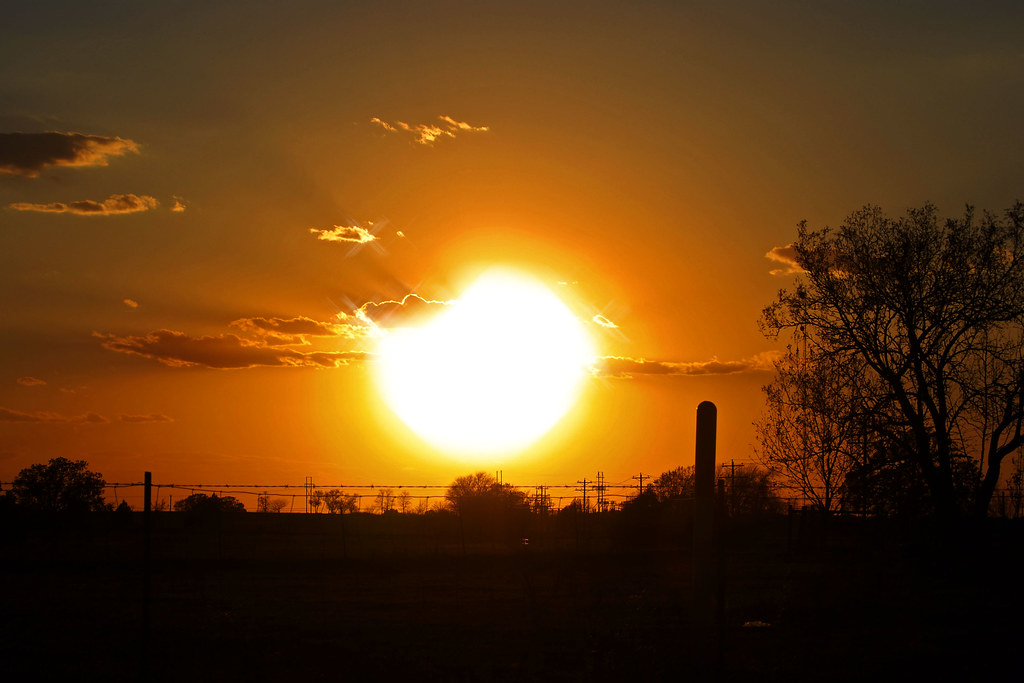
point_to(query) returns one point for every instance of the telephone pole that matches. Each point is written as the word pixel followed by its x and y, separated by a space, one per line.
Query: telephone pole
pixel 641 488
pixel 584 482
pixel 602 502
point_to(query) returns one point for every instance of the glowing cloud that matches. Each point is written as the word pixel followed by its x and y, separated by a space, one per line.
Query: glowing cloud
pixel 412 310
pixel 131 303
pixel 113 205
pixel 787 256
pixel 180 204
pixel 31 381
pixel 27 154
pixel 604 322
pixel 427 133
pixel 345 233
pixel 223 351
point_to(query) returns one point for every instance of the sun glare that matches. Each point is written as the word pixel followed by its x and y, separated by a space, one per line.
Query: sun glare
pixel 491 374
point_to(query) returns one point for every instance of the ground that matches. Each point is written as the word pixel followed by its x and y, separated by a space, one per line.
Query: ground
pixel 290 601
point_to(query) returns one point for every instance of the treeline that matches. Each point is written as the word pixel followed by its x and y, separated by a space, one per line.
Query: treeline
pixel 67 486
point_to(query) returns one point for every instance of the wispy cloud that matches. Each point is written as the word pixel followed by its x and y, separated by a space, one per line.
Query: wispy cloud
pixel 31 381
pixel 180 204
pixel 27 154
pixel 141 419
pixel 113 205
pixel 604 322
pixel 624 367
pixel 428 133
pixel 787 257
pixel 223 351
pixel 344 233
pixel 131 303
pixel 8 415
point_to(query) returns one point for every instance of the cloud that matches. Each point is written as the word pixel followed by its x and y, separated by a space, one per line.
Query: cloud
pixel 411 310
pixel 8 415
pixel 623 367
pixel 223 351
pixel 180 204
pixel 131 303
pixel 345 233
pixel 31 381
pixel 139 419
pixel 428 133
pixel 787 256
pixel 113 205
pixel 27 154
pixel 604 322
pixel 286 331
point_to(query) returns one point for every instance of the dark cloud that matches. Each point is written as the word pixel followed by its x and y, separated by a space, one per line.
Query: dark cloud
pixel 31 381
pixel 618 366
pixel 284 329
pixel 27 154
pixel 787 257
pixel 223 351
pixel 112 205
pixel 410 311
pixel 8 415
pixel 152 417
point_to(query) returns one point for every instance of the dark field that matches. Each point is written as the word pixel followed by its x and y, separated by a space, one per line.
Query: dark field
pixel 300 598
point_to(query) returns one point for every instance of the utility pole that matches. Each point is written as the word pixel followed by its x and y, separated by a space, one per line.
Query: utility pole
pixel 309 491
pixel 641 478
pixel 600 488
pixel 584 482
pixel 541 500
pixel 732 486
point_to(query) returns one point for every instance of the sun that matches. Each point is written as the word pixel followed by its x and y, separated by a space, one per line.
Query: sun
pixel 492 373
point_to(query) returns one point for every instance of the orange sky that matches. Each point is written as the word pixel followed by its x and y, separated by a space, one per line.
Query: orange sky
pixel 200 159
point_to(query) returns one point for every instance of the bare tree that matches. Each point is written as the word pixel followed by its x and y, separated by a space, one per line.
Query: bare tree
pixel 935 311
pixel 338 502
pixel 404 501
pixel 811 433
pixel 384 501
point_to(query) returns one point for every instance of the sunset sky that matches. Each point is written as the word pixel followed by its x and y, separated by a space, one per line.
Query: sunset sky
pixel 204 203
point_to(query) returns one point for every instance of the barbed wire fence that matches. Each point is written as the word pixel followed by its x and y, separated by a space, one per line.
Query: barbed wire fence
pixel 548 497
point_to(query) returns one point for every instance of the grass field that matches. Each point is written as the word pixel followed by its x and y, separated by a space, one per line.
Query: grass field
pixel 294 598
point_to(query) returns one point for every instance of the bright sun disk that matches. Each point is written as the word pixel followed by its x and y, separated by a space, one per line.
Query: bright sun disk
pixel 492 373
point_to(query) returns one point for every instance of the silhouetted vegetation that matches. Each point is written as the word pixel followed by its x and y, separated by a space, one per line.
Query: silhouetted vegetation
pixel 907 365
pixel 201 503
pixel 62 485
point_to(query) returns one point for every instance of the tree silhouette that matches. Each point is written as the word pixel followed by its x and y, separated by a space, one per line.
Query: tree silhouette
pixel 201 503
pixel 934 312
pixel 811 433
pixel 488 508
pixel 482 489
pixel 338 502
pixel 384 501
pixel 674 484
pixel 61 485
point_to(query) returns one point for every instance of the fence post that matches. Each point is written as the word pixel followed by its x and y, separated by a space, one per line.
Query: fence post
pixel 704 565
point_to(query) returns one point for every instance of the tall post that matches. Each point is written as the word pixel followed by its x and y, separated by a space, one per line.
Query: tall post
pixel 147 551
pixel 703 538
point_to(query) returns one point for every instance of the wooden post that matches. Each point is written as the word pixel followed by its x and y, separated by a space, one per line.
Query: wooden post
pixel 147 549
pixel 704 565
